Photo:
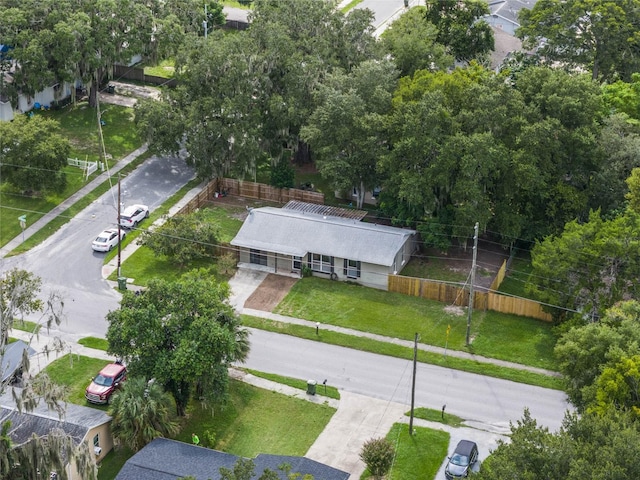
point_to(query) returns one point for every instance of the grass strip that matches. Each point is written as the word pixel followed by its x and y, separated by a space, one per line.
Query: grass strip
pixel 63 218
pixel 417 456
pixel 398 351
pixel 95 343
pixel 323 390
pixel 26 326
pixel 433 415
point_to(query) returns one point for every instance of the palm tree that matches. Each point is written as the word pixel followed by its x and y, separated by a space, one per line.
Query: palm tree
pixel 141 411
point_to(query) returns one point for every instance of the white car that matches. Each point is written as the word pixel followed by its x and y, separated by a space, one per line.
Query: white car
pixel 132 215
pixel 107 240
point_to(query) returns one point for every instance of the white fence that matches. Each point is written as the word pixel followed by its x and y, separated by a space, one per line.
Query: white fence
pixel 88 167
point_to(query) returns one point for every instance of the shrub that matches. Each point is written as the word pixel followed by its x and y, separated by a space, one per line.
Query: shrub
pixel 377 454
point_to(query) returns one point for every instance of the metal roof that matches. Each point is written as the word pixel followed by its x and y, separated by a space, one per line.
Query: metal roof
pixel 325 210
pixel 297 233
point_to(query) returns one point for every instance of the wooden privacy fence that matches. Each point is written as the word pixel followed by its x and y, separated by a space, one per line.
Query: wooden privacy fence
pixel 260 191
pixel 457 295
pixel 137 73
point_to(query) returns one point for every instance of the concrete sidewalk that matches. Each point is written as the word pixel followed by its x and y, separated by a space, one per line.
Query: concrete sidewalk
pixel 54 212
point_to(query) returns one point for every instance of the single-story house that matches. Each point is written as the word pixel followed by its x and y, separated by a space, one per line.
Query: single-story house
pixel 83 424
pixel 331 242
pixel 43 99
pixel 164 459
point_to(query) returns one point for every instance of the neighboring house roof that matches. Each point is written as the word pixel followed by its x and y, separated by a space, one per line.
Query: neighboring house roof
pixel 76 421
pixel 164 459
pixel 325 210
pixel 296 233
pixel 12 359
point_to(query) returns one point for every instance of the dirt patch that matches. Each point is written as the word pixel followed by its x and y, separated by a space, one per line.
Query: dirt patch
pixel 270 292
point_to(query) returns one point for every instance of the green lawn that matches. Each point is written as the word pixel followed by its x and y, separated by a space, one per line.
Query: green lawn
pixel 419 455
pixel 255 421
pixel 164 69
pixel 75 372
pixel 251 422
pixel 94 342
pixel 26 326
pixel 517 277
pixel 507 337
pixel 322 390
pixel 433 268
pixel 439 416
pixel 143 265
pixel 79 124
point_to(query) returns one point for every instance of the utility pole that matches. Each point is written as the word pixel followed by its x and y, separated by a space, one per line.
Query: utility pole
pixel 119 227
pixel 473 279
pixel 413 382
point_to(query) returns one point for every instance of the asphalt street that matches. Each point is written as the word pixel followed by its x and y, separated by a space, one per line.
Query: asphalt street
pixel 66 262
pixel 489 403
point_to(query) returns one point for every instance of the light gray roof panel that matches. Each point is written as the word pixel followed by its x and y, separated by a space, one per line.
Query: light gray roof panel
pixel 286 231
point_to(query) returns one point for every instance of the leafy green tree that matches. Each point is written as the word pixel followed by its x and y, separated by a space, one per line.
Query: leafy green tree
pixel 587 446
pixel 461 28
pixel 532 452
pixel 378 454
pixel 633 195
pixel 618 386
pixel 589 267
pixel 140 412
pixel 245 95
pixel 184 334
pixel 33 154
pixel 620 139
pixel 346 129
pixel 599 35
pixel 184 238
pixel 412 41
pixel 623 97
pixel 283 175
pixel 584 351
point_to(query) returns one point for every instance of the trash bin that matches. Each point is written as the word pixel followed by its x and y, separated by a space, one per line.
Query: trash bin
pixel 111 89
pixel 311 387
pixel 122 283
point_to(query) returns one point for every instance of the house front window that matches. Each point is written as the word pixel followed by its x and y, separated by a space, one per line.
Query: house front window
pixel 321 263
pixel 351 268
pixel 96 440
pixel 296 263
pixel 258 257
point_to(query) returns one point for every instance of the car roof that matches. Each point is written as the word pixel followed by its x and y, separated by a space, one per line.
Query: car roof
pixel 112 369
pixel 465 447
pixel 132 208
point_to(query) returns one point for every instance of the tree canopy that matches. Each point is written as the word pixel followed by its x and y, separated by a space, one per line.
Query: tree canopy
pixel 597 35
pixel 55 41
pixel 461 28
pixel 33 154
pixel 183 334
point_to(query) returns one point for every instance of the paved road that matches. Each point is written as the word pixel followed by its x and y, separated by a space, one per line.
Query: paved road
pixel 67 264
pixel 489 402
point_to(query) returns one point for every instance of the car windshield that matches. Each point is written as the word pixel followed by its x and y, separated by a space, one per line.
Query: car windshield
pixel 461 460
pixel 101 239
pixel 125 217
pixel 103 381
